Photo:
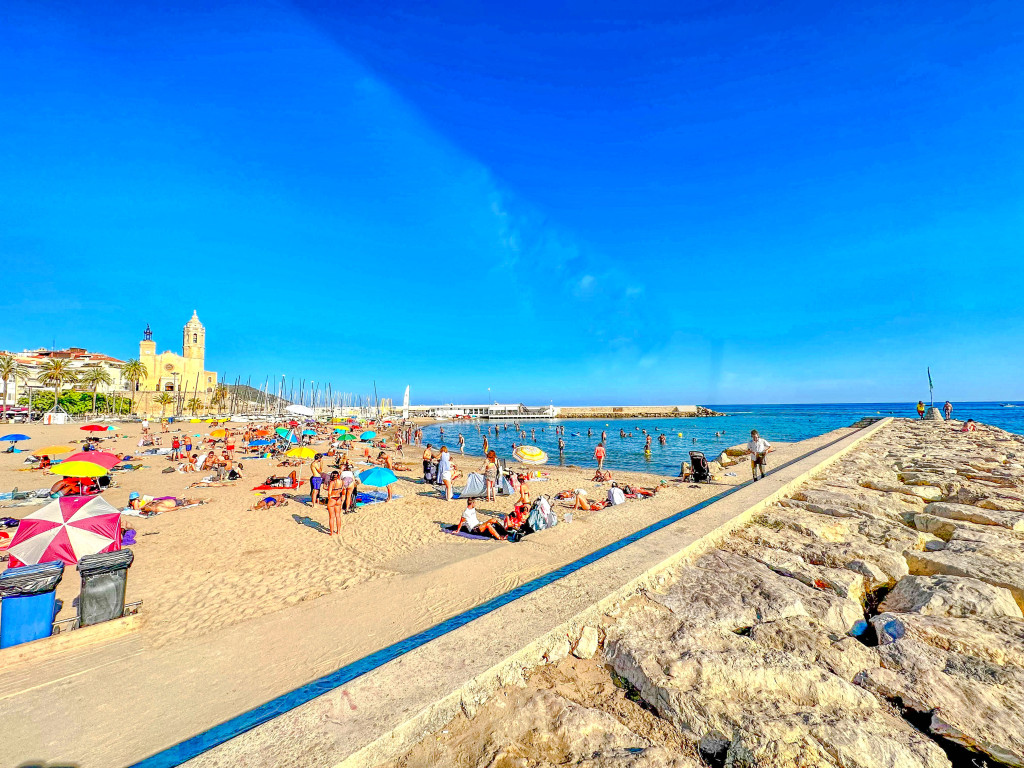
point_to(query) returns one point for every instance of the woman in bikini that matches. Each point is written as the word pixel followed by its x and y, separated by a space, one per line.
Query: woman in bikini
pixel 335 501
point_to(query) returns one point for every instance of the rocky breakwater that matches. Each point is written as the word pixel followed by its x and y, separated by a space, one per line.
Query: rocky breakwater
pixel 871 618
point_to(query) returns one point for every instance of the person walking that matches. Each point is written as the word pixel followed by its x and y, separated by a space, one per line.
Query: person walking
pixel 948 408
pixel 758 448
pixel 462 444
pixel 920 409
pixel 599 454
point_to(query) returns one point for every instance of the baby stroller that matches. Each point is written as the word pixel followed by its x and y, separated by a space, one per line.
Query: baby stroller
pixel 700 472
pixel 430 476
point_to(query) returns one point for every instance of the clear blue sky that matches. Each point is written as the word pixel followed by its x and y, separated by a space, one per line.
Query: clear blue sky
pixel 588 203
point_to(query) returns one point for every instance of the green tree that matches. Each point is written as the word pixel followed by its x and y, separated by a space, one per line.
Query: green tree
pixel 164 399
pixel 194 404
pixel 8 372
pixel 220 397
pixel 94 377
pixel 57 372
pixel 133 372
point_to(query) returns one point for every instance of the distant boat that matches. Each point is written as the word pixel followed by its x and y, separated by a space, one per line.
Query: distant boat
pixel 1009 405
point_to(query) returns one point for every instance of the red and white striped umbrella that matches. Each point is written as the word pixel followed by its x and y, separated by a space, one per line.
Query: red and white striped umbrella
pixel 66 529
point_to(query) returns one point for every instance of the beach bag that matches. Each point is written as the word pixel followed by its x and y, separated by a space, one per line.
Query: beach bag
pixel 542 516
pixel 515 535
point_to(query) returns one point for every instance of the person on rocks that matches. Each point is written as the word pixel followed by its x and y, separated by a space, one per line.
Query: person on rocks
pixel 948 409
pixel 758 448
pixel 920 409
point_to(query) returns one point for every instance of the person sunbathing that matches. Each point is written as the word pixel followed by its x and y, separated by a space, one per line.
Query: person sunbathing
pixel 602 476
pixel 158 505
pixel 291 481
pixel 270 501
pixel 290 463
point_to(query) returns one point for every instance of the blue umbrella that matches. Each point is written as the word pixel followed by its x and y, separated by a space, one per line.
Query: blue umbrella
pixel 378 477
pixel 368 435
pixel 15 438
pixel 261 442
pixel 309 431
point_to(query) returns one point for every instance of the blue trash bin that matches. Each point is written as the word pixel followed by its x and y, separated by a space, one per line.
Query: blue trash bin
pixel 27 601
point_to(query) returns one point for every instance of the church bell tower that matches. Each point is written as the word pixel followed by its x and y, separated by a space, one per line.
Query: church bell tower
pixel 193 346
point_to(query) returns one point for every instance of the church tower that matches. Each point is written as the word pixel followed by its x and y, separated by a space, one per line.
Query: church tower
pixel 193 346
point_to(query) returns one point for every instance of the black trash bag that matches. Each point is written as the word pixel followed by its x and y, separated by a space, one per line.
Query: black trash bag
pixel 104 582
pixel 31 579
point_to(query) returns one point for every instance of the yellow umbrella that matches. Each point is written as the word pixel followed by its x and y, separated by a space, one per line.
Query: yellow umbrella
pixel 194 421
pixel 302 453
pixel 218 433
pixel 530 454
pixel 342 429
pixel 78 469
pixel 52 450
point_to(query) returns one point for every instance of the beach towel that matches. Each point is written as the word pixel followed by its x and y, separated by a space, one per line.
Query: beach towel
pixel 450 529
pixel 373 497
pixel 276 487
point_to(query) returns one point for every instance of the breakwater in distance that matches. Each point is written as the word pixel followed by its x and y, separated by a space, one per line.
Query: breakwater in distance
pixel 634 411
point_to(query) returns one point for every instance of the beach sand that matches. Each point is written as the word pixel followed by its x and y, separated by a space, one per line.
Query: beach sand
pixel 212 577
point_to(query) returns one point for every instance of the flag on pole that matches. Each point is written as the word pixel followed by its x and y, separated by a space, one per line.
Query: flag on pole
pixel 931 387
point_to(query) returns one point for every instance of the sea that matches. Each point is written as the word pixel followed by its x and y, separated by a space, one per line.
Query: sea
pixel 712 434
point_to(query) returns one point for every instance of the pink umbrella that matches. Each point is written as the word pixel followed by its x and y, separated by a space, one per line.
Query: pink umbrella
pixel 104 459
pixel 66 529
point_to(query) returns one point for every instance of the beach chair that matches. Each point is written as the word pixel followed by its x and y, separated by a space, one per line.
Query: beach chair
pixel 700 471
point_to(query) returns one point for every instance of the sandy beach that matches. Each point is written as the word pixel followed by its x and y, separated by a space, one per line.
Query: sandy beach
pixel 213 574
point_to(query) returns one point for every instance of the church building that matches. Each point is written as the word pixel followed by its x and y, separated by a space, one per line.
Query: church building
pixel 168 372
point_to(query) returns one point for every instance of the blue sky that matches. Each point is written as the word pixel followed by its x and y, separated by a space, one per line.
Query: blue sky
pixel 584 203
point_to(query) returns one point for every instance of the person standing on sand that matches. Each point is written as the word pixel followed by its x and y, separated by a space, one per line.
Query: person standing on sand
pixel 920 409
pixel 599 454
pixel 316 471
pixel 444 472
pixel 948 408
pixel 428 457
pixel 758 448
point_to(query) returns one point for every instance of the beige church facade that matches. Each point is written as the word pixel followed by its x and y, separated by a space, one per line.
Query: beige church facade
pixel 169 372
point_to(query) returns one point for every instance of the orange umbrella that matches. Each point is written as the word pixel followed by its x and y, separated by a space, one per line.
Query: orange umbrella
pixel 218 433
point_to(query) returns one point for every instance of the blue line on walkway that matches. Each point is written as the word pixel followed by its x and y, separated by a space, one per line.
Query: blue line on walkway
pixel 218 734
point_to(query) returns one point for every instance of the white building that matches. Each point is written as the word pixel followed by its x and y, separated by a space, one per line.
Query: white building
pixel 495 411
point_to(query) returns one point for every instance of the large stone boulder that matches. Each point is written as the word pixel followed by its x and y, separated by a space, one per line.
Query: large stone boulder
pixel 1000 566
pixel 956 596
pixel 768 699
pixel 972 701
pixel 1011 520
pixel 730 592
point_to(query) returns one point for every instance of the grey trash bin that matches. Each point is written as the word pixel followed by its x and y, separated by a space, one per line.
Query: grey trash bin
pixel 104 579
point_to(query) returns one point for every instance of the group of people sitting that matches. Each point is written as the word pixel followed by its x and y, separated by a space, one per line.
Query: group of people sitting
pixel 510 526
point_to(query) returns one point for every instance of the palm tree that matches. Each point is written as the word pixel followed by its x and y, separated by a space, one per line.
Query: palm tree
pixel 194 404
pixel 8 371
pixel 57 372
pixel 164 399
pixel 94 377
pixel 220 397
pixel 133 372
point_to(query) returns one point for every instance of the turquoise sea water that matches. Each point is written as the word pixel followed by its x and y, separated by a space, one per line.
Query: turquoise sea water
pixel 785 423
